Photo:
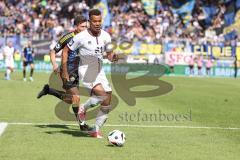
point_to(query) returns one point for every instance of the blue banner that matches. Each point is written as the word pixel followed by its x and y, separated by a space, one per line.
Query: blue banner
pixel 210 12
pixel 177 3
pixel 185 10
pixel 230 36
pixel 238 4
pixel 103 7
pixel 229 18
pixel 149 6
pixel 230 13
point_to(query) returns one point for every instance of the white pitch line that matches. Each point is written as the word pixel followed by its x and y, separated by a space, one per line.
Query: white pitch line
pixel 3 126
pixel 133 126
pixel 165 126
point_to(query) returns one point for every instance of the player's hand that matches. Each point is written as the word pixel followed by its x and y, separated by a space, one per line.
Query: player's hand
pixel 113 57
pixel 65 77
pixel 55 68
pixel 65 81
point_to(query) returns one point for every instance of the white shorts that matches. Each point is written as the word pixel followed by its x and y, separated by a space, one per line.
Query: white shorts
pixel 90 79
pixel 9 63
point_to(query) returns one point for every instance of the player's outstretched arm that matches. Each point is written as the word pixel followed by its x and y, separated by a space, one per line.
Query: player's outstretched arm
pixel 65 74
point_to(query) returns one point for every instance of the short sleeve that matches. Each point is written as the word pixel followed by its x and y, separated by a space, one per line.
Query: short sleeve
pixel 61 43
pixel 52 46
pixel 58 47
pixel 75 42
pixel 108 46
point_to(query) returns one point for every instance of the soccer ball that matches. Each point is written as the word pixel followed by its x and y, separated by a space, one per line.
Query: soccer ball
pixel 116 138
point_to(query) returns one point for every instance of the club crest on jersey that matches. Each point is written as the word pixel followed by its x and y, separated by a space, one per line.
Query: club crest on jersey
pixel 71 42
pixel 89 42
pixel 58 46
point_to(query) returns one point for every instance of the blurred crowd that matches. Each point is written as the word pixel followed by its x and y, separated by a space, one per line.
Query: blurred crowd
pixel 131 22
pixel 45 19
pixel 29 18
pixel 38 19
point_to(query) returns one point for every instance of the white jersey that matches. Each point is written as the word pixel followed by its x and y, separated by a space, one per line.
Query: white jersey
pixel 89 45
pixel 91 50
pixel 8 52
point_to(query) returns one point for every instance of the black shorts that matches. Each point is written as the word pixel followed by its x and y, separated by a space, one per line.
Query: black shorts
pixel 73 78
pixel 199 67
pixel 26 63
pixel 191 66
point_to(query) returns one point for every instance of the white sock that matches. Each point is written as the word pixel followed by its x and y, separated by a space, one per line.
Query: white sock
pixel 92 102
pixel 102 117
pixel 8 73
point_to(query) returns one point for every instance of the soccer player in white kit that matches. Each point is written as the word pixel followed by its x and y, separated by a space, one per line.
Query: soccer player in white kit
pixel 71 96
pixel 91 45
pixel 8 53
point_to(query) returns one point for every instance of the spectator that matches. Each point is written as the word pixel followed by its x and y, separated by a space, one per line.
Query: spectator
pixel 199 64
pixel 171 65
pixel 44 19
pixel 191 64
pixel 209 65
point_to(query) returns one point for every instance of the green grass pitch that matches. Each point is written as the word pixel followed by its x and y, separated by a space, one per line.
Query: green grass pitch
pixel 204 102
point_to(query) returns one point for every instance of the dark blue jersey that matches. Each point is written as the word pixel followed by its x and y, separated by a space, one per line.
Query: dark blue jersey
pixel 28 54
pixel 62 42
pixel 73 58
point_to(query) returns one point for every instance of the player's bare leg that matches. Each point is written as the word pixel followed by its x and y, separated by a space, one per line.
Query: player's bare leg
pixel 102 114
pixel 31 71
pixel 46 90
pixel 72 96
pixel 8 73
pixel 24 73
pixel 64 96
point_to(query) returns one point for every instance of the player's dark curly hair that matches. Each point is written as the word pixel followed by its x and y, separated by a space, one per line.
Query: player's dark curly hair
pixel 79 19
pixel 94 12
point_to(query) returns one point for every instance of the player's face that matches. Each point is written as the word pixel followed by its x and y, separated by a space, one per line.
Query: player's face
pixel 10 44
pixel 96 23
pixel 29 43
pixel 81 27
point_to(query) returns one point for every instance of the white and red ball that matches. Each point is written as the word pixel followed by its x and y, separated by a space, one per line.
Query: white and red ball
pixel 116 138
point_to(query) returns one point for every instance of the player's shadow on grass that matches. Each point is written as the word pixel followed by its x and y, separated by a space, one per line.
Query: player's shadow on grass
pixel 112 146
pixel 109 145
pixel 65 129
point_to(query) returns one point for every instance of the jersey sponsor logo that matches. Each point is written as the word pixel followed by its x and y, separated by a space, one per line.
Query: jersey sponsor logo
pixel 58 46
pixel 99 50
pixel 71 42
